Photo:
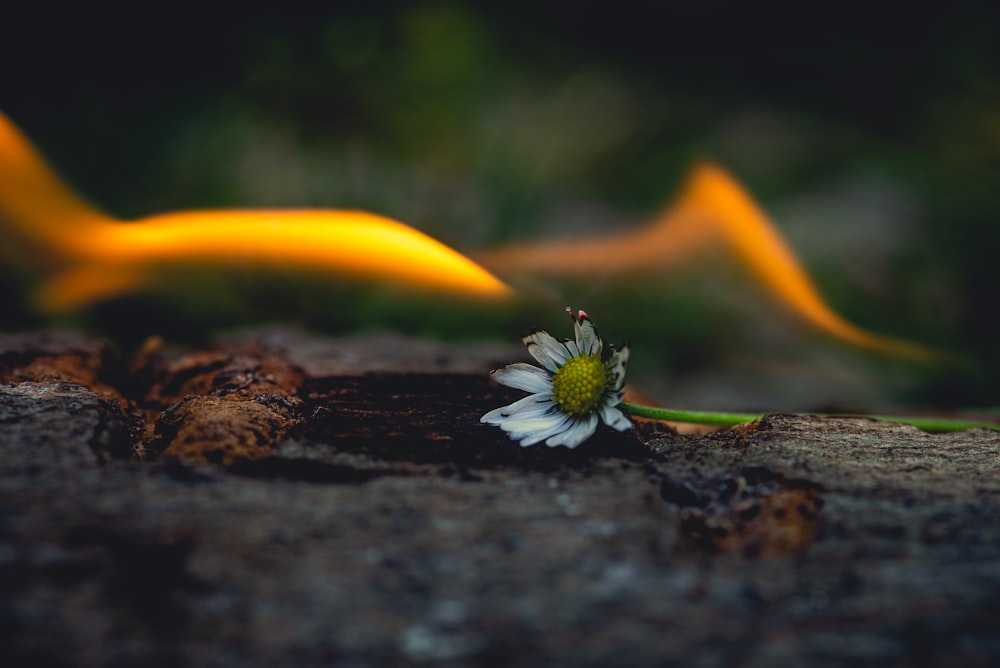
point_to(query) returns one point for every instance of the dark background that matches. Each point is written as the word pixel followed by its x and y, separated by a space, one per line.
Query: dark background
pixel 872 135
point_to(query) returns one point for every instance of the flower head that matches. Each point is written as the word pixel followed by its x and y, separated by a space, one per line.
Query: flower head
pixel 580 383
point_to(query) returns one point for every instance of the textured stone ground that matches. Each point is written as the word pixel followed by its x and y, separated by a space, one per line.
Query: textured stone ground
pixel 283 499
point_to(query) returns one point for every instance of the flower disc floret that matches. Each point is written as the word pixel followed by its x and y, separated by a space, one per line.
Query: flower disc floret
pixel 579 385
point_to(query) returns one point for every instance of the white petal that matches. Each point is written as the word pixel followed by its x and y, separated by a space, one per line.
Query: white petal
pixel 587 339
pixel 495 416
pixel 537 409
pixel 531 436
pixel 498 415
pixel 579 432
pixel 530 430
pixel 560 423
pixel 533 403
pixel 545 348
pixel 615 418
pixel 531 411
pixel 525 377
pixel 619 364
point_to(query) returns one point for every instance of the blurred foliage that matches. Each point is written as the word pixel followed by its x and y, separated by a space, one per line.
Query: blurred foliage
pixel 873 138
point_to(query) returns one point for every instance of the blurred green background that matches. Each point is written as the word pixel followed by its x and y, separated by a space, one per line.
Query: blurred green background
pixel 872 137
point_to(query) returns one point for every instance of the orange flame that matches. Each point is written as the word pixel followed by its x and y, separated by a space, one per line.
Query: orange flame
pixel 100 256
pixel 712 209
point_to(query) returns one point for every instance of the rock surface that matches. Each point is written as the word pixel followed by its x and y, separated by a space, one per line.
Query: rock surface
pixel 284 499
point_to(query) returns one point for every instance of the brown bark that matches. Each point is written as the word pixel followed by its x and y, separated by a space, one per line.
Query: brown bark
pixel 282 498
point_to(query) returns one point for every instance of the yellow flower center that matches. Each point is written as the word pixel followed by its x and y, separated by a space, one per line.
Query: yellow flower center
pixel 580 384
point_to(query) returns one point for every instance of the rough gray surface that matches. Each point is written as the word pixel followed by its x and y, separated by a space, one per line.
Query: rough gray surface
pixel 65 425
pixel 389 527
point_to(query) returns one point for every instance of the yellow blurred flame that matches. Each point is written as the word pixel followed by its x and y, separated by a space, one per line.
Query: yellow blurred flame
pixel 100 256
pixel 96 256
pixel 712 210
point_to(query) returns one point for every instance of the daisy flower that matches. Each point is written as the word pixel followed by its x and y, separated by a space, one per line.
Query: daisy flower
pixel 580 384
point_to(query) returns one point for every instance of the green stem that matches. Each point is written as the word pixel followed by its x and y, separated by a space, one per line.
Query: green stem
pixel 694 417
pixel 720 419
